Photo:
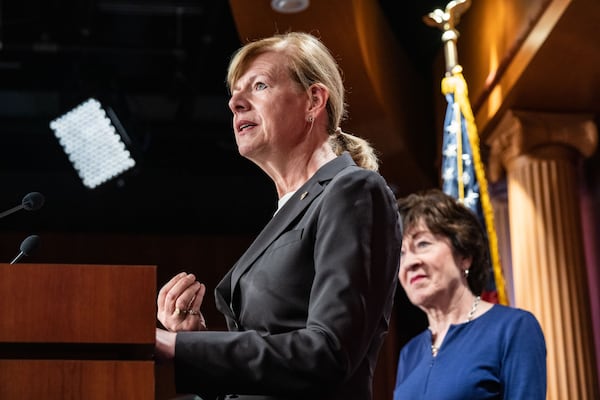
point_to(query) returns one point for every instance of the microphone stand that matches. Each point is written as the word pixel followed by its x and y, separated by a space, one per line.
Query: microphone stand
pixel 18 257
pixel 12 210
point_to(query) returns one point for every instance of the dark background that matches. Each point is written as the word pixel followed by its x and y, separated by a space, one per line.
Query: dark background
pixel 160 65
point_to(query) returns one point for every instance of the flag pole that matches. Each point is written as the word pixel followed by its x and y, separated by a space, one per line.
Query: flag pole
pixel 446 20
pixel 454 84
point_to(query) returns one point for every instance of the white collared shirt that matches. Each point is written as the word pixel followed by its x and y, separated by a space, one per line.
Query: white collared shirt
pixel 283 200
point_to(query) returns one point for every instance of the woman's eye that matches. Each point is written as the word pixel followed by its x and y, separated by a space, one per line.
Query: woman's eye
pixel 260 86
pixel 421 244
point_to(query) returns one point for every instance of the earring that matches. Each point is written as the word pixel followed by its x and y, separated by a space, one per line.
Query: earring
pixel 310 118
pixel 466 273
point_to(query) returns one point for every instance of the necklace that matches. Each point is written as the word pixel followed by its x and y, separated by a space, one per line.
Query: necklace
pixel 476 300
pixel 474 308
pixel 434 350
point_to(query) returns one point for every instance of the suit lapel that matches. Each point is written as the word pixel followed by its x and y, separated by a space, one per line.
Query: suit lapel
pixel 223 296
pixel 303 197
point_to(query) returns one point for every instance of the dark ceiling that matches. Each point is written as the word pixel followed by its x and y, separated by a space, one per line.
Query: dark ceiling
pixel 160 65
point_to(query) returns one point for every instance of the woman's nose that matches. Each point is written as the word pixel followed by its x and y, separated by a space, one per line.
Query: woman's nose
pixel 237 102
pixel 408 259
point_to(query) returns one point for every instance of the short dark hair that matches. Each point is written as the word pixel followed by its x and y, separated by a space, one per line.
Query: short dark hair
pixel 444 215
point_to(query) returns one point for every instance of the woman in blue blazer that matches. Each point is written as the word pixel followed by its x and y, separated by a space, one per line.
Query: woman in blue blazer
pixel 308 304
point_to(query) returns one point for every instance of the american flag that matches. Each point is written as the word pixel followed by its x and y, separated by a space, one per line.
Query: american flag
pixel 463 175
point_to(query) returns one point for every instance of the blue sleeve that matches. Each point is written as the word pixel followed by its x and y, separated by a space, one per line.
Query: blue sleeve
pixel 523 369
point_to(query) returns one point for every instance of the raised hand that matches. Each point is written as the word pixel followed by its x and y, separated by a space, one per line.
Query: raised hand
pixel 179 302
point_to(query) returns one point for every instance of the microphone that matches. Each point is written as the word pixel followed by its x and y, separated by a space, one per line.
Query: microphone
pixel 31 202
pixel 27 246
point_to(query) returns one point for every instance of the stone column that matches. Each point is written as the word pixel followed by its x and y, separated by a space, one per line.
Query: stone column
pixel 541 154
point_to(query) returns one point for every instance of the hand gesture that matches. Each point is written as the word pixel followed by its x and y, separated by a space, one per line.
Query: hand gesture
pixel 179 303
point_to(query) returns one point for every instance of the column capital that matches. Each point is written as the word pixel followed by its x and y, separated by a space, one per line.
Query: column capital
pixel 539 134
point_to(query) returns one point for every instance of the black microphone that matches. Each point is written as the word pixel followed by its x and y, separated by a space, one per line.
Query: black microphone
pixel 27 246
pixel 31 202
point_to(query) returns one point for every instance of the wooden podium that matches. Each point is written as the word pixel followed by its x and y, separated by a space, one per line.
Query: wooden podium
pixel 77 331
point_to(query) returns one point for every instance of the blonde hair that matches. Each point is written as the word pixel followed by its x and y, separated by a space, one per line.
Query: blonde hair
pixel 310 62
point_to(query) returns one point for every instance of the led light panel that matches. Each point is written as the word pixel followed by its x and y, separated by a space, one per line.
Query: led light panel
pixel 92 143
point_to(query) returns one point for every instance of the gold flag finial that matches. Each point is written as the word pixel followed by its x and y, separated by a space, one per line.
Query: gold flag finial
pixel 446 20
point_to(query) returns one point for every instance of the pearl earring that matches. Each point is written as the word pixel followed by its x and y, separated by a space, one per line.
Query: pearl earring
pixel 466 273
pixel 310 118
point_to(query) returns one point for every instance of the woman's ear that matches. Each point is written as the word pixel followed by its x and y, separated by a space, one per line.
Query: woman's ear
pixel 318 96
pixel 466 262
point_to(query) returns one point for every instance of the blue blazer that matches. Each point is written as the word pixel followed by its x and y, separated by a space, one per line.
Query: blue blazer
pixel 308 304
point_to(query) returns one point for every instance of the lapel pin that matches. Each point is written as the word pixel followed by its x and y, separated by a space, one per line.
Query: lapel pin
pixel 303 195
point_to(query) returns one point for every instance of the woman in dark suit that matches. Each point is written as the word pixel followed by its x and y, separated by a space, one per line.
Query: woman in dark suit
pixel 308 304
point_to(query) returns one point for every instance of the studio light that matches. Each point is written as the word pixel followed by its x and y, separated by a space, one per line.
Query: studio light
pixel 92 138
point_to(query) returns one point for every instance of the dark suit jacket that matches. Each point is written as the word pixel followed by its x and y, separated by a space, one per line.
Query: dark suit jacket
pixel 308 304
